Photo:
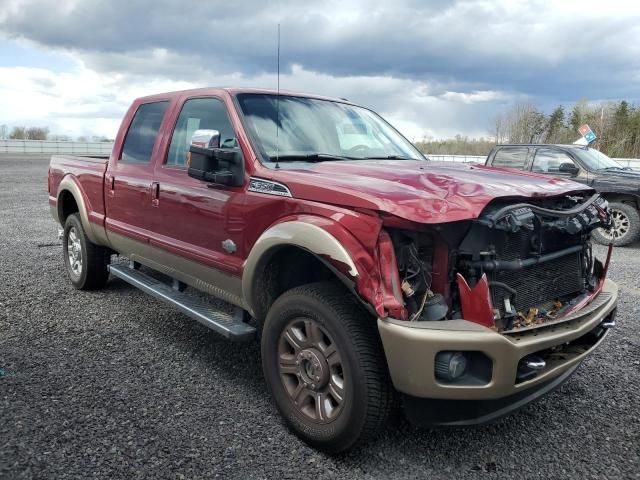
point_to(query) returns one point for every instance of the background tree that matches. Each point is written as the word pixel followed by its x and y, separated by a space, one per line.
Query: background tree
pixel 555 126
pixel 616 124
pixel 36 133
pixel 18 133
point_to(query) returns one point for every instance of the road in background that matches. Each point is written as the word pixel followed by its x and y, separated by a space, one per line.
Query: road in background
pixel 113 384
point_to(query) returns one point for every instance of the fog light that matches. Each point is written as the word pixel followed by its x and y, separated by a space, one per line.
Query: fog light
pixel 450 365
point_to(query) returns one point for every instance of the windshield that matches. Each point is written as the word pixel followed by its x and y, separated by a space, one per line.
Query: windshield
pixel 320 130
pixel 596 160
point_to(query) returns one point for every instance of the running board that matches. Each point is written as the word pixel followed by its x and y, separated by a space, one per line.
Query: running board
pixel 227 325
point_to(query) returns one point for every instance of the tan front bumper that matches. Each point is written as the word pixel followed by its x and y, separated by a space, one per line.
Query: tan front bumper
pixel 411 349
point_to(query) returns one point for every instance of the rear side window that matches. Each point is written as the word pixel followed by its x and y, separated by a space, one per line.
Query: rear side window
pixel 138 144
pixel 199 114
pixel 512 157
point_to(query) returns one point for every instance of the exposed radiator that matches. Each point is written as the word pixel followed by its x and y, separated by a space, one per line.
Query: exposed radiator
pixel 539 285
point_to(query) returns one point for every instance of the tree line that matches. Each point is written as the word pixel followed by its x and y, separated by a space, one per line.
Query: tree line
pixel 42 133
pixel 616 124
pixel 25 133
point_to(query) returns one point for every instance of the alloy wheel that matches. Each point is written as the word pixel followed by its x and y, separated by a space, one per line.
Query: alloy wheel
pixel 311 370
pixel 74 252
pixel 620 225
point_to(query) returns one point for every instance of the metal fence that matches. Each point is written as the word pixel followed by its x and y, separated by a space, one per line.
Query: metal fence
pixel 457 158
pixel 104 148
pixel 52 147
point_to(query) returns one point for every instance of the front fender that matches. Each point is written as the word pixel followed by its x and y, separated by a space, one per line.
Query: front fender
pixel 324 238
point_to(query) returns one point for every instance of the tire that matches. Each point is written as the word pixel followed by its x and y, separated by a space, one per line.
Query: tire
pixel 338 346
pixel 626 228
pixel 85 262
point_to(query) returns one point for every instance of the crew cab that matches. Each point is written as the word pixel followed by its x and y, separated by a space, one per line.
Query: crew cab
pixel 368 273
pixel 619 185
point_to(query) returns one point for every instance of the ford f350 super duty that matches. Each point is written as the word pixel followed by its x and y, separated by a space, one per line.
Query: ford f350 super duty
pixel 374 276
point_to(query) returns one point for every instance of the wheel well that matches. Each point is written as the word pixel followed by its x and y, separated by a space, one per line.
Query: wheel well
pixel 622 198
pixel 285 268
pixel 66 205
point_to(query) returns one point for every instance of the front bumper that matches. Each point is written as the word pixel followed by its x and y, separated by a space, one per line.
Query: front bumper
pixel 427 412
pixel 411 348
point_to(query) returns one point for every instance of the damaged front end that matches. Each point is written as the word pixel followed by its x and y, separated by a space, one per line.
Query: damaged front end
pixel 518 265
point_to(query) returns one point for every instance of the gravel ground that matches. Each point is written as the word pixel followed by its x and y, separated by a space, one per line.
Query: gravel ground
pixel 114 384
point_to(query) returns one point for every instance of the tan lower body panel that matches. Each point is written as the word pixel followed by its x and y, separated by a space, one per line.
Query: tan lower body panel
pixel 411 348
pixel 219 284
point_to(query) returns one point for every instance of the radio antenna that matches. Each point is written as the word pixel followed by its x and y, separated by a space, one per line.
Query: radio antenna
pixel 278 102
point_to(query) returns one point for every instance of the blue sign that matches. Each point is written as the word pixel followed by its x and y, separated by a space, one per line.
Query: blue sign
pixel 590 136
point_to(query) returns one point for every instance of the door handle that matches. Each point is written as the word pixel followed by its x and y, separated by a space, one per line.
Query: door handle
pixel 155 194
pixel 111 182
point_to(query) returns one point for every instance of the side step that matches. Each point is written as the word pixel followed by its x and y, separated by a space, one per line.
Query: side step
pixel 227 325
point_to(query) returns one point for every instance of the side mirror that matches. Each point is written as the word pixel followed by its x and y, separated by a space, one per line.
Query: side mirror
pixel 208 162
pixel 568 167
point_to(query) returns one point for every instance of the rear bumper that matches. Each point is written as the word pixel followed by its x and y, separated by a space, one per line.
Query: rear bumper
pixel 411 349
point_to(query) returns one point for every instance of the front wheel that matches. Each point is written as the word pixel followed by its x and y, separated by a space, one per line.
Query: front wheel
pixel 625 228
pixel 324 365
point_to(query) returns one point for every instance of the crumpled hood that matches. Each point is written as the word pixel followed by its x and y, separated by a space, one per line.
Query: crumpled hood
pixel 420 191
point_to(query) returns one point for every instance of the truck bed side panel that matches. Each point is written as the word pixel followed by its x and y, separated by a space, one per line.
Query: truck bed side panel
pixel 88 172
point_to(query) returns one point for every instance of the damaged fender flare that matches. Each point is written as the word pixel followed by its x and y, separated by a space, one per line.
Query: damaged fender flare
pixel 310 234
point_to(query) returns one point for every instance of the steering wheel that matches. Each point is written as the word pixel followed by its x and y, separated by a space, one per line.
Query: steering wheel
pixel 358 148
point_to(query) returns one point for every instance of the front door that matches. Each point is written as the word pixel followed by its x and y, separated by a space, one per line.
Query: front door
pixel 199 223
pixel 548 161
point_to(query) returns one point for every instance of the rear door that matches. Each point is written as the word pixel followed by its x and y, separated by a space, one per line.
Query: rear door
pixel 129 177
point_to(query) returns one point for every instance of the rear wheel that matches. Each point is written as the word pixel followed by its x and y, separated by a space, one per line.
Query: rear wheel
pixel 86 262
pixel 325 368
pixel 625 228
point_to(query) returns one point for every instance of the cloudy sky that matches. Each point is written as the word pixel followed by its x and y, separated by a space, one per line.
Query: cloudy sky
pixel 433 68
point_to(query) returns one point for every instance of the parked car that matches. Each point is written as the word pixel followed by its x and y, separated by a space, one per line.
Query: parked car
pixel 619 185
pixel 370 272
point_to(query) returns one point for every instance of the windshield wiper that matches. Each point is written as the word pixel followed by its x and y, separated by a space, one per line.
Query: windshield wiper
pixel 311 157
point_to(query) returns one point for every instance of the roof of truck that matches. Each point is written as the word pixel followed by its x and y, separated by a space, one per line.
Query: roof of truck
pixel 238 90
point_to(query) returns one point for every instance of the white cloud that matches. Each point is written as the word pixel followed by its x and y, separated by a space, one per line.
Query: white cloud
pixel 85 102
pixel 81 102
pixel 433 68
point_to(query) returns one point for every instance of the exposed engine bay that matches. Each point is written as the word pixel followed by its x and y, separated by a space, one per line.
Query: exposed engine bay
pixel 520 264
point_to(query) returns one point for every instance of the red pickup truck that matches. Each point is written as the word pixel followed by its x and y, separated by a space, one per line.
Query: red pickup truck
pixel 371 273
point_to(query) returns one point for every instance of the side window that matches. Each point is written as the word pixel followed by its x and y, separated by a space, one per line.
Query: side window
pixel 138 144
pixel 511 157
pixel 549 161
pixel 198 114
